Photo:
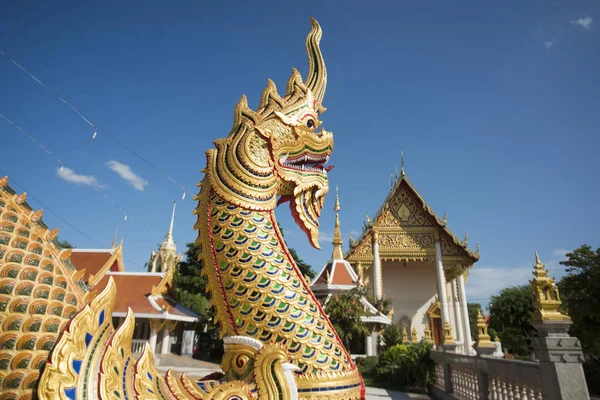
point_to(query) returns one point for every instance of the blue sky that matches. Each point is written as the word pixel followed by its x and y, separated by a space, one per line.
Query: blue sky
pixel 496 107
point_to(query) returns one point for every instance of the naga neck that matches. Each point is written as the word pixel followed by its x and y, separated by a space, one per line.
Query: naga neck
pixel 256 287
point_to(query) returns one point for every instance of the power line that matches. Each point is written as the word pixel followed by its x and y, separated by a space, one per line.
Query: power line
pixel 96 127
pixel 13 182
pixel 94 186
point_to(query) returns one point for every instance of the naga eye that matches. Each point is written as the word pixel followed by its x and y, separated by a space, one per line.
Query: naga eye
pixel 310 123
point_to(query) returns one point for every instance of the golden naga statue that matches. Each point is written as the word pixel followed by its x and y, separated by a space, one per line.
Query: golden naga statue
pixel 57 339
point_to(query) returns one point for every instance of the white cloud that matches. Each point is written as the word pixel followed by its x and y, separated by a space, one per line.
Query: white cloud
pixel 325 236
pixel 71 176
pixel 484 282
pixel 125 172
pixel 562 253
pixel 584 22
pixel 549 44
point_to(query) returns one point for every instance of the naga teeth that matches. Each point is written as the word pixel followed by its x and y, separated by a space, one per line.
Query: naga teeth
pixel 284 158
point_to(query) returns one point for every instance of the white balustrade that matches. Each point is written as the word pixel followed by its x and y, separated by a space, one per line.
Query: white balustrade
pixel 138 345
pixel 439 376
pixel 474 377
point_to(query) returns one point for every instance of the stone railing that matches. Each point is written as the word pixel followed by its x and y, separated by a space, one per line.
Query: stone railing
pixel 460 376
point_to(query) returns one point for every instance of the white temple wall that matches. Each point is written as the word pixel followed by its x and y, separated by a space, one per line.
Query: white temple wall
pixel 410 289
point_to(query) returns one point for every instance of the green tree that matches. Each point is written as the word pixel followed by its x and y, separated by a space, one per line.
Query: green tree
pixel 580 293
pixel 64 244
pixel 305 269
pixel 510 317
pixel 345 310
pixel 189 284
pixel 473 310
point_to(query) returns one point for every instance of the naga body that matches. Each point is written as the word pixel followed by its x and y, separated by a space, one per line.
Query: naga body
pixel 278 341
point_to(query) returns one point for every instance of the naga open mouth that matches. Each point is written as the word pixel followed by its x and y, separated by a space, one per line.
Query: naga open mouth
pixel 306 162
pixel 308 196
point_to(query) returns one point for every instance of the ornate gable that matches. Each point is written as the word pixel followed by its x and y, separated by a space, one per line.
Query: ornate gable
pixel 408 229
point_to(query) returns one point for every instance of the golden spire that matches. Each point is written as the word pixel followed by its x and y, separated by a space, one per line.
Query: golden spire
pixel 448 339
pixel 402 169
pixel 404 335
pixel 114 242
pixel 413 335
pixel 338 253
pixel 483 339
pixel 546 300
pixel 427 334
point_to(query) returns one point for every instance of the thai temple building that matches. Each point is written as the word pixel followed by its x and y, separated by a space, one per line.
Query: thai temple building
pixel 407 255
pixel 338 275
pixel 159 319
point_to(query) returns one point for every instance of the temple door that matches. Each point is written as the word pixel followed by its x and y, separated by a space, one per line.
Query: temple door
pixel 436 331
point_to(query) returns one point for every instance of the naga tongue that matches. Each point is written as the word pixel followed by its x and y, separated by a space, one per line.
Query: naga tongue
pixel 329 168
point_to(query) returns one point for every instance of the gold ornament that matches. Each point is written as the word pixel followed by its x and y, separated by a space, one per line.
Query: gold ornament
pixel 546 300
pixel 413 335
pixel 448 339
pixel 483 339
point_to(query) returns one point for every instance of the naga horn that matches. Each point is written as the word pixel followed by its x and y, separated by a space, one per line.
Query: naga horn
pixel 316 80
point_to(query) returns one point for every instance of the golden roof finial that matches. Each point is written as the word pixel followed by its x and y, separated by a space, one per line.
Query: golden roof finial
pixel 402 157
pixel 114 242
pixel 465 240
pixel 338 253
pixel 546 300
pixel 336 207
pixel 477 252
pixel 445 219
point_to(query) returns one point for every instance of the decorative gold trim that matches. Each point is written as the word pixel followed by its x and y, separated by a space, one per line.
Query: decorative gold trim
pixel 117 255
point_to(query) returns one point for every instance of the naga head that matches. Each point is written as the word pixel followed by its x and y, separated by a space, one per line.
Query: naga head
pixel 278 150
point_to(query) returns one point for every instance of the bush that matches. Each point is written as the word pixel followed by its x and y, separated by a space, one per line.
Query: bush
pixel 390 336
pixel 367 365
pixel 408 366
pixel 591 369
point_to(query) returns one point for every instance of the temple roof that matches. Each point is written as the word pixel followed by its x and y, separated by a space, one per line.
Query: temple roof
pixel 336 273
pixel 408 228
pixel 96 262
pixel 134 290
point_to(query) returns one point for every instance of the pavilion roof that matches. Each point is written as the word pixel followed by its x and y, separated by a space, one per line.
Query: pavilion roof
pixel 97 262
pixel 134 290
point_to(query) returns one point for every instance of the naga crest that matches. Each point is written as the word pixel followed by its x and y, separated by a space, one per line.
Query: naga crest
pixel 277 150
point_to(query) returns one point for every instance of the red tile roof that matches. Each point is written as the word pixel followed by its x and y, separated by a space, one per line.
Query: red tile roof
pixel 91 261
pixel 132 291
